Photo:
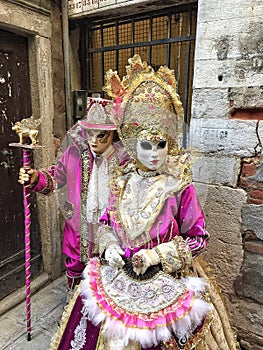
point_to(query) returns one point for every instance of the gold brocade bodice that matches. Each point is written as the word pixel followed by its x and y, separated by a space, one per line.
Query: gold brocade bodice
pixel 141 201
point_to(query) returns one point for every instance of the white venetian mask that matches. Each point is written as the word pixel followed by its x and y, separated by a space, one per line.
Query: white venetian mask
pixel 152 155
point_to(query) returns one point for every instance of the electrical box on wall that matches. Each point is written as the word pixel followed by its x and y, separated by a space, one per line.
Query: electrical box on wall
pixel 79 103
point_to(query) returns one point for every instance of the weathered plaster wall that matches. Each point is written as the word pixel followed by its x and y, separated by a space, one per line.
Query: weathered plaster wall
pixel 58 71
pixel 226 128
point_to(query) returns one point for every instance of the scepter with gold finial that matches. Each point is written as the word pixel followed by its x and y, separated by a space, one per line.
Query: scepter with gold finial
pixel 28 141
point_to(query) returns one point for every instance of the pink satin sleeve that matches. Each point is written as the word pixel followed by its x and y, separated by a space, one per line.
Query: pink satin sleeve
pixel 191 221
pixel 42 182
pixel 62 171
pixel 181 215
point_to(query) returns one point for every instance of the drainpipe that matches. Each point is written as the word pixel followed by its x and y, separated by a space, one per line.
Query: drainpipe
pixel 66 54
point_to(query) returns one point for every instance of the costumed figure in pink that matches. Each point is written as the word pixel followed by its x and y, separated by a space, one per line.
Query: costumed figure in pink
pixel 81 180
pixel 142 292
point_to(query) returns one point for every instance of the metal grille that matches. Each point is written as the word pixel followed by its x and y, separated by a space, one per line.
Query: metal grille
pixel 161 38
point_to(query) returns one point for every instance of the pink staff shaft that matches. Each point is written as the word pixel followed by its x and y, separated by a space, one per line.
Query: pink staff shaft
pixel 27 223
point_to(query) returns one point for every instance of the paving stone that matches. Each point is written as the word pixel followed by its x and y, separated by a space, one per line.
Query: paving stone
pixel 46 308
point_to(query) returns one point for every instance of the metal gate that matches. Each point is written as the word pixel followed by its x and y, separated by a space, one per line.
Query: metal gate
pixel 164 37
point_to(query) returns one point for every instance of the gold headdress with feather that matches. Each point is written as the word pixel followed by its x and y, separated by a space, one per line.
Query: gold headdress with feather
pixel 146 104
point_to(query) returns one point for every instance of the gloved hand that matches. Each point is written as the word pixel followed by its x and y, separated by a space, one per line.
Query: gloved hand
pixel 113 255
pixel 27 176
pixel 144 259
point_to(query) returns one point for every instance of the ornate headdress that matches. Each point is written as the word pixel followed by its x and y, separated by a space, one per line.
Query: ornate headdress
pixel 147 105
pixel 99 115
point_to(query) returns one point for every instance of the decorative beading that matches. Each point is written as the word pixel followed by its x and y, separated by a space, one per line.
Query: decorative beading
pixel 106 238
pixel 85 230
pixel 185 254
pixel 175 255
pixel 50 184
pixel 137 261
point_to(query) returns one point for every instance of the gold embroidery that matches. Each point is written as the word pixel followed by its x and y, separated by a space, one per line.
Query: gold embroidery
pixel 136 218
pixel 56 339
pixel 50 184
pixel 175 255
pixel 149 103
pixel 85 229
pixel 106 238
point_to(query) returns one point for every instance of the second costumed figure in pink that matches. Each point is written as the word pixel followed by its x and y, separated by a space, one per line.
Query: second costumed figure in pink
pixel 81 180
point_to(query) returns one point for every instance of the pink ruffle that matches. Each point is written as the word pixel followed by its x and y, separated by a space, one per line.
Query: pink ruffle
pixel 152 321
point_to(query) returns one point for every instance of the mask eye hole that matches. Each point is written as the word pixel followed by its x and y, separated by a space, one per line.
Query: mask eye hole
pixel 146 145
pixel 90 133
pixel 161 144
pixel 101 135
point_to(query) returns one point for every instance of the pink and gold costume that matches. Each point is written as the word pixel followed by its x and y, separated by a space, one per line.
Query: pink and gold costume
pixel 71 176
pixel 180 212
pixel 74 169
pixel 154 220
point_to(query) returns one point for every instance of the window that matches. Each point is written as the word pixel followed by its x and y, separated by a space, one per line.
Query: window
pixel 161 38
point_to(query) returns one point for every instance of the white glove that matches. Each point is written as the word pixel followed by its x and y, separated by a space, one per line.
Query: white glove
pixel 144 259
pixel 113 256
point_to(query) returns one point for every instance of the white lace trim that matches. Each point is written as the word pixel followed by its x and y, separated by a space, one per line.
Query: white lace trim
pixel 80 332
pixel 98 189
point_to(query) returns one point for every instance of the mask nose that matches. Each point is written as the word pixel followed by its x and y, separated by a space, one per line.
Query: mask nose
pixel 94 139
pixel 155 152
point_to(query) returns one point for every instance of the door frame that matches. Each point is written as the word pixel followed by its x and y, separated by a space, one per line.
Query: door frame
pixel 36 26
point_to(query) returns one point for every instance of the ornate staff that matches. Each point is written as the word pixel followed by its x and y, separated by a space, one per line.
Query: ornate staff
pixel 26 130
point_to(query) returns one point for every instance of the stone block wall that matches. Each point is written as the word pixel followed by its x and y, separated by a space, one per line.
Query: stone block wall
pixel 59 123
pixel 227 133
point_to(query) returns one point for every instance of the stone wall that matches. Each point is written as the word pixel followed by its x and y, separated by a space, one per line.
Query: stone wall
pixel 59 123
pixel 227 133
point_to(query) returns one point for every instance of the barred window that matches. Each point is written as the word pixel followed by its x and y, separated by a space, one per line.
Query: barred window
pixel 161 38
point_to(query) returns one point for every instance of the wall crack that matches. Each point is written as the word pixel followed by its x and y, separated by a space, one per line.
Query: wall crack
pixel 258 148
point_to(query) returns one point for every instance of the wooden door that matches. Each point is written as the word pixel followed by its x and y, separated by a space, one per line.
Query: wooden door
pixel 15 104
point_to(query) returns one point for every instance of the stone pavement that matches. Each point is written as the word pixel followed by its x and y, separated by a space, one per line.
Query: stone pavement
pixel 46 308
